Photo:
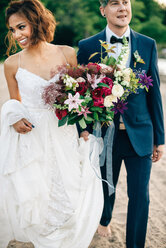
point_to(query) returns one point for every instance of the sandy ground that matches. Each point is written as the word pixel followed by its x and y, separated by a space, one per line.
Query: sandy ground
pixel 156 234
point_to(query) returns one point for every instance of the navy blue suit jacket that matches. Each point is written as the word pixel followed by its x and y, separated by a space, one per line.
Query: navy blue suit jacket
pixel 144 117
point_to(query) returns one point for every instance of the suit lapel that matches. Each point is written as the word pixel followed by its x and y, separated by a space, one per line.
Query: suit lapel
pixel 134 46
pixel 101 36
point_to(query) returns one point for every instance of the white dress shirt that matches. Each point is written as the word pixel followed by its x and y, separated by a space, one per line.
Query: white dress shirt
pixel 118 48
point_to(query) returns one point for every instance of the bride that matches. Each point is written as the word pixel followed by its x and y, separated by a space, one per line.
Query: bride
pixel 49 193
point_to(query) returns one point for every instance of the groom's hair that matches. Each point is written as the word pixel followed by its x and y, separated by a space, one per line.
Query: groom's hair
pixel 103 2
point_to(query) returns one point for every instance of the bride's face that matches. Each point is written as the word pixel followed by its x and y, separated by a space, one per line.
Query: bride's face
pixel 21 30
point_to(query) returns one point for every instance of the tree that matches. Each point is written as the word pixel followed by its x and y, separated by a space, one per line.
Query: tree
pixel 78 19
pixel 3 29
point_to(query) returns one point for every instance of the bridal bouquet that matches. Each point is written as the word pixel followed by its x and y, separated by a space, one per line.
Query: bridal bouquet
pixel 94 92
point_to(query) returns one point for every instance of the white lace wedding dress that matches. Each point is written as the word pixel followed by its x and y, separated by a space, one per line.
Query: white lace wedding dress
pixel 49 193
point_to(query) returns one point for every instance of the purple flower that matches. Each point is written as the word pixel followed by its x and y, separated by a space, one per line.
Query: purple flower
pixel 145 80
pixel 119 106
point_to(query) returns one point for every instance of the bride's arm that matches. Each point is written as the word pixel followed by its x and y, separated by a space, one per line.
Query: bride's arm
pixel 10 69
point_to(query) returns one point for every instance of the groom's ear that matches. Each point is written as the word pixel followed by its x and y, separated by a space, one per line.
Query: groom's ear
pixel 102 11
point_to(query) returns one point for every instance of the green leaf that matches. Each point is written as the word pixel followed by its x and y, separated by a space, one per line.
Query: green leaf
pixel 105 60
pixel 109 117
pixel 88 99
pixel 63 121
pixel 94 54
pixel 102 119
pixel 88 118
pixel 111 61
pixel 83 104
pixel 98 109
pixel 88 122
pixel 82 123
pixel 103 85
pixel 73 119
pixel 96 116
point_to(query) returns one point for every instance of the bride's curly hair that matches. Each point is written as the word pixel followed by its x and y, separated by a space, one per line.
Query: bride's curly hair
pixel 42 21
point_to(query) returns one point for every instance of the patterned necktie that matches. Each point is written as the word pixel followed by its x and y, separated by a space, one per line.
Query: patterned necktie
pixel 114 40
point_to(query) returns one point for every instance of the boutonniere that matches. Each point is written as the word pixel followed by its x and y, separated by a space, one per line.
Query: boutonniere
pixel 137 58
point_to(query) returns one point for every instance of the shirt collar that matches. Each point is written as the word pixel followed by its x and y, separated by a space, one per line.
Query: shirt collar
pixel 109 33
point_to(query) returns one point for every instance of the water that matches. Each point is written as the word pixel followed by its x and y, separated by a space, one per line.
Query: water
pixel 162 66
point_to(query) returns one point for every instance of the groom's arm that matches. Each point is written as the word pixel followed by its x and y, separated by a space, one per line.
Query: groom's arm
pixel 155 106
pixel 154 99
pixel 83 53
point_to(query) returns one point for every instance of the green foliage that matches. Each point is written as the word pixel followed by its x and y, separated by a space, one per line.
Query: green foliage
pixel 149 18
pixel 155 29
pixel 78 19
pixel 3 29
pixel 138 13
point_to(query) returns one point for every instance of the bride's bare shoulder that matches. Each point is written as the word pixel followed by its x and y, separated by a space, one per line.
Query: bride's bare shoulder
pixel 11 63
pixel 70 54
pixel 67 49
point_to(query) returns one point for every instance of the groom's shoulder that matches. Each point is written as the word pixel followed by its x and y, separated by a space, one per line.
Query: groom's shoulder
pixel 93 39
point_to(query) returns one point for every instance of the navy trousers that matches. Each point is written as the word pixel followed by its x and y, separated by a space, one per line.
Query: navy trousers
pixel 138 175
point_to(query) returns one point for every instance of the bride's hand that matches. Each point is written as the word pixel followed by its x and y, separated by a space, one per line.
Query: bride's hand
pixel 85 135
pixel 23 126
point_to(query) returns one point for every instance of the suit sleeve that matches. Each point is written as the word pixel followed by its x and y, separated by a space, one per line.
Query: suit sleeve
pixel 155 101
pixel 83 54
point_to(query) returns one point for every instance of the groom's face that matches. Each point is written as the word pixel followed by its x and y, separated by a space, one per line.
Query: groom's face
pixel 117 13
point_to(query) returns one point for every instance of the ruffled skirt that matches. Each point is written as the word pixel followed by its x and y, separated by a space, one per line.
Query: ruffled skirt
pixel 49 193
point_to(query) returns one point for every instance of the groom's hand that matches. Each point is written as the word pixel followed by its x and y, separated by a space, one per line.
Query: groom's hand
pixel 85 135
pixel 157 153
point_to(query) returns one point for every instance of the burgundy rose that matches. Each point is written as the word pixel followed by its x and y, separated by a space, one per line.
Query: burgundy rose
pixel 107 91
pixel 95 68
pixel 97 93
pixel 99 102
pixel 82 88
pixel 76 72
pixel 61 113
pixel 109 82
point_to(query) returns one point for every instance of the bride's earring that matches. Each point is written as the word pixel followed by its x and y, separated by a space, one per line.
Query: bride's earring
pixel 104 15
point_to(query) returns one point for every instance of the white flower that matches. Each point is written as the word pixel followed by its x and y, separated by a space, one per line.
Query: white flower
pixel 137 56
pixel 69 81
pixel 105 68
pixel 108 100
pixel 125 83
pixel 80 80
pixel 73 101
pixel 117 90
pixel 126 74
pixel 118 74
pixel 121 67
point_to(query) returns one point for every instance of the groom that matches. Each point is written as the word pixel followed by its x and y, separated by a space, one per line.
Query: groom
pixel 139 132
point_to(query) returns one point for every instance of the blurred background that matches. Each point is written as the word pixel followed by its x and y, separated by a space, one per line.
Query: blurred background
pixel 81 18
